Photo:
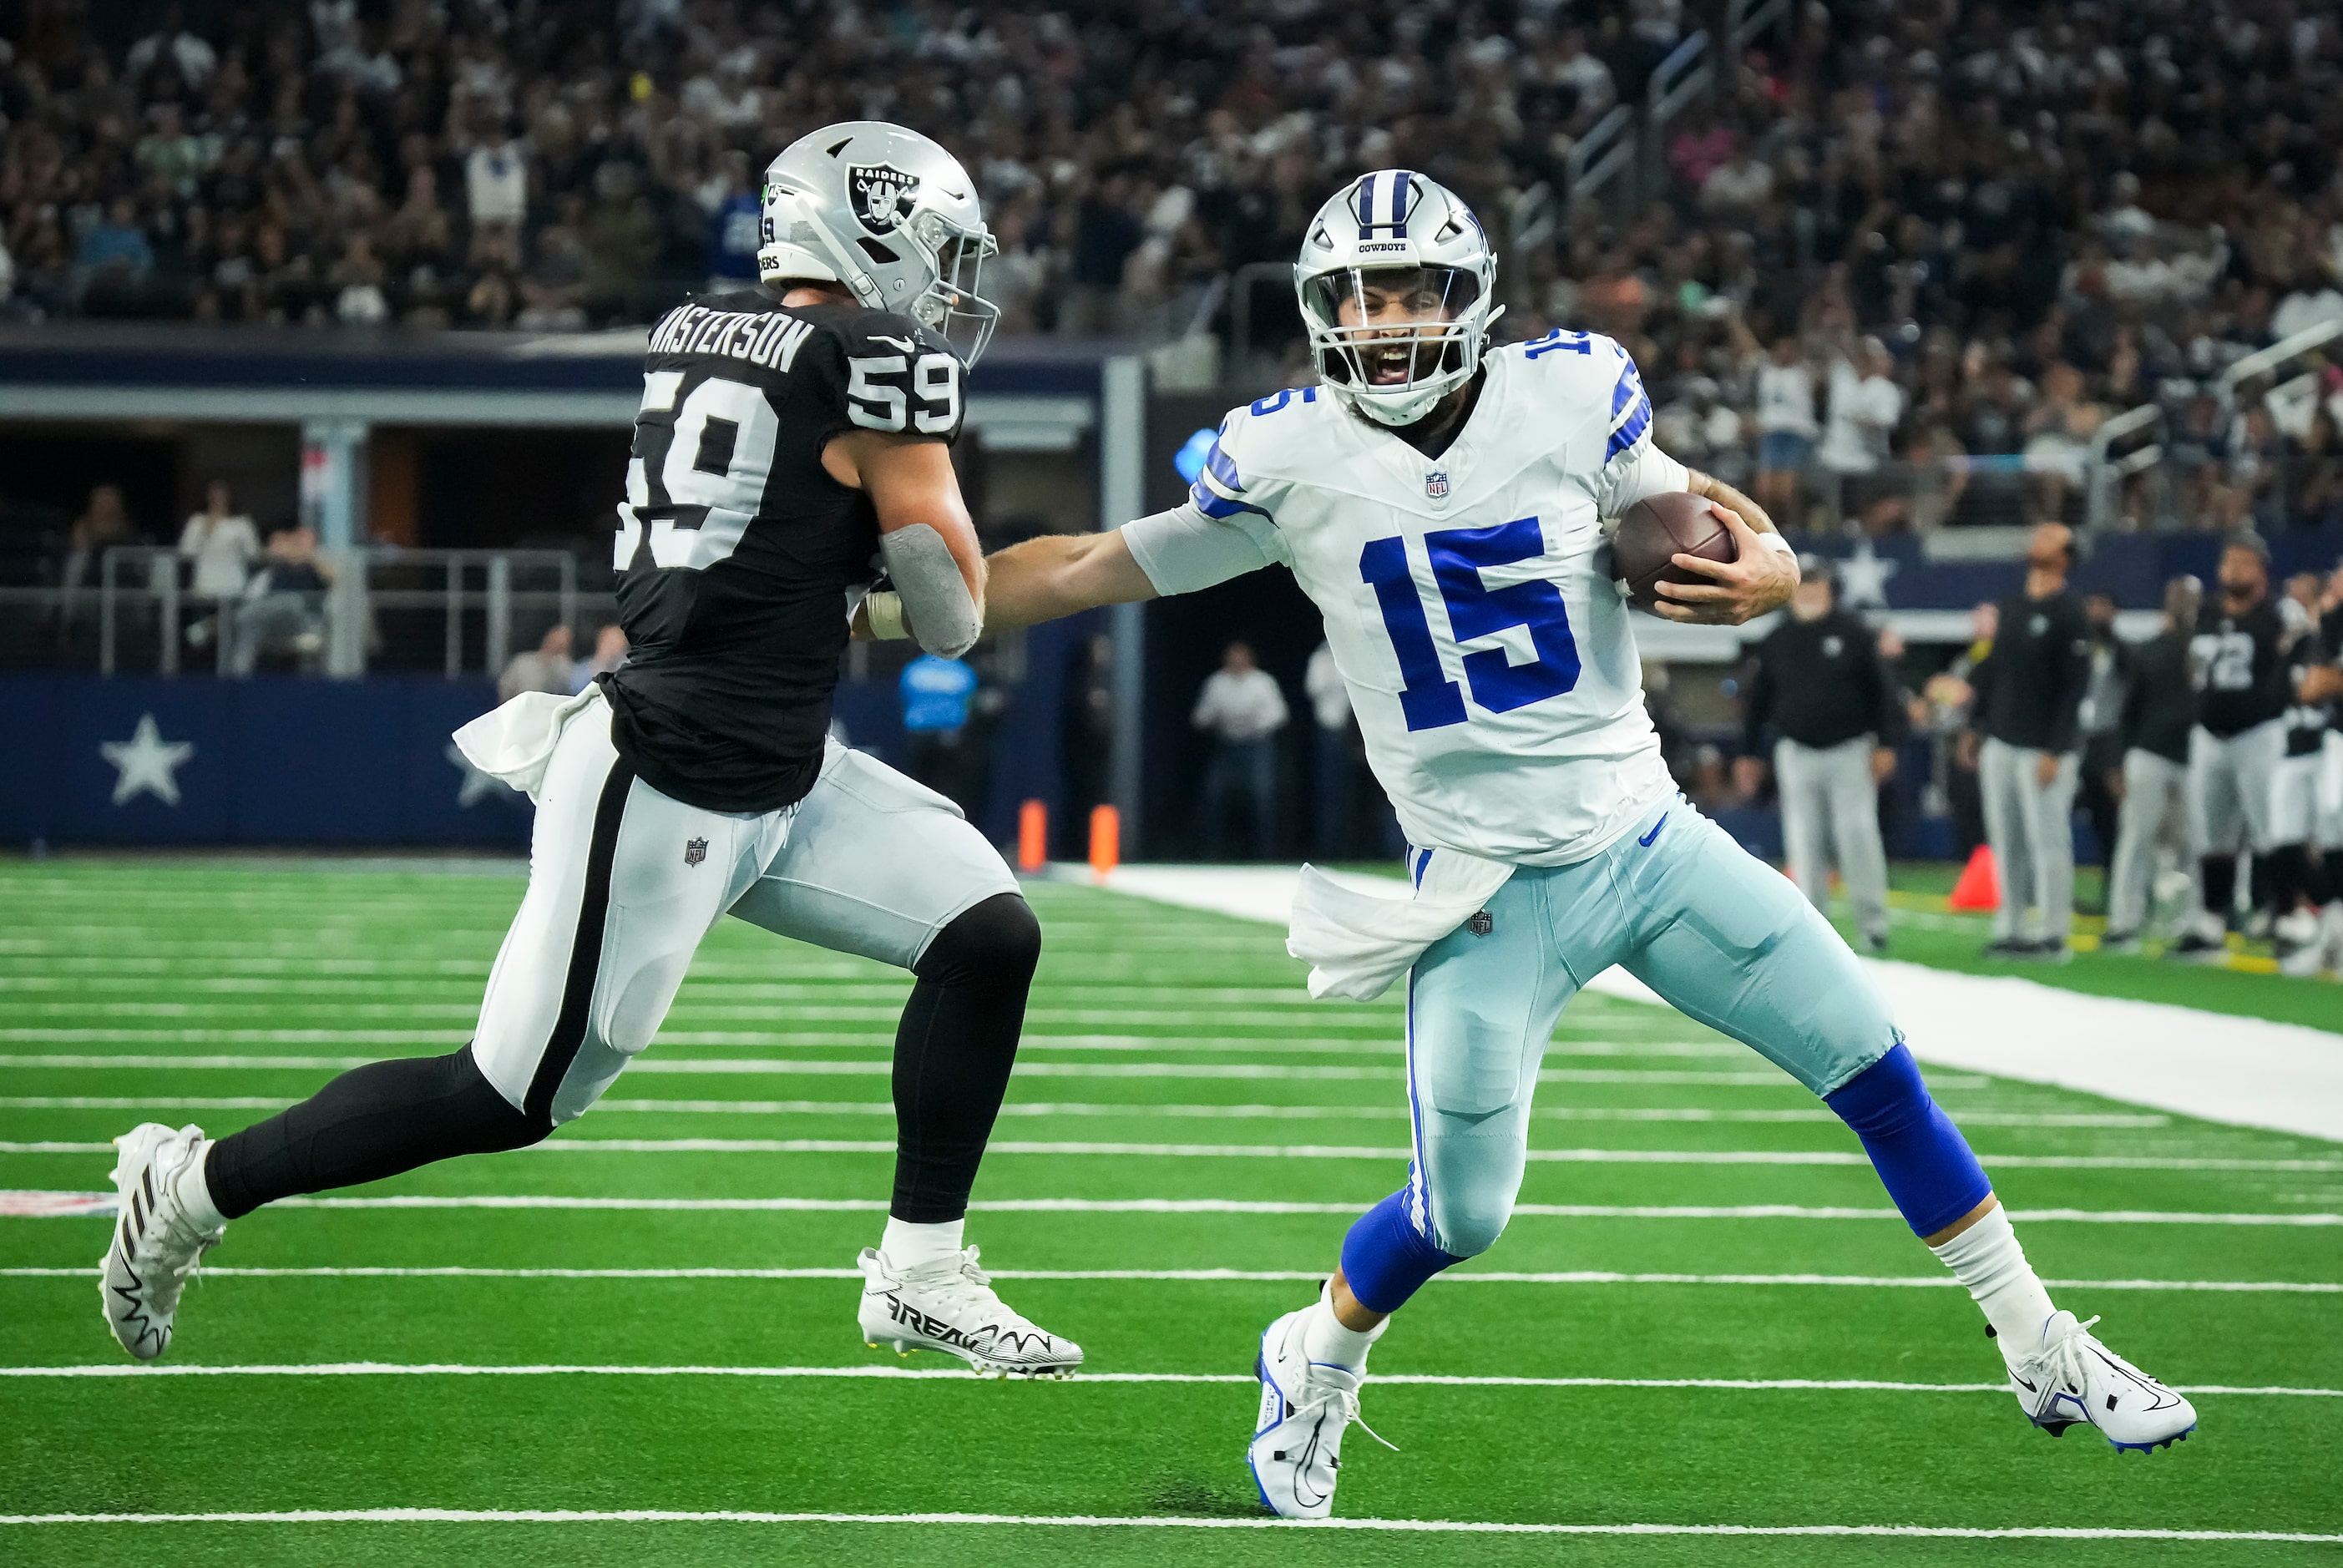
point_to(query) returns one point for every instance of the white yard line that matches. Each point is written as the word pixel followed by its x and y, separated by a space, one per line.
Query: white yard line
pixel 1141 1522
pixel 45 1205
pixel 1328 1151
pixel 1768 1078
pixel 2250 1072
pixel 1141 1109
pixel 885 1373
pixel 1216 1276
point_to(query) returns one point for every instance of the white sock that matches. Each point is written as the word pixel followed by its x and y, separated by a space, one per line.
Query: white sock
pixel 1987 1259
pixel 907 1246
pixel 1325 1338
pixel 196 1193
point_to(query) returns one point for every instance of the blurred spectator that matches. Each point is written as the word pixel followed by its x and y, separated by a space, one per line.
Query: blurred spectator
pixel 2098 778
pixel 609 652
pixel 734 225
pixel 2160 708
pixel 935 694
pixel 284 606
pixel 1240 707
pixel 2029 690
pixel 1331 765
pixel 103 524
pixel 221 543
pixel 1786 428
pixel 115 253
pixel 1864 404
pixel 2314 302
pixel 545 667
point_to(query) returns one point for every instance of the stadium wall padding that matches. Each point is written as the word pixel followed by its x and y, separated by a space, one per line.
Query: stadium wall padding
pixel 274 760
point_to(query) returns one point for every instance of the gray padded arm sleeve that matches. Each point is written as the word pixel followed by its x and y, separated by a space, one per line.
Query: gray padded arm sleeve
pixel 935 603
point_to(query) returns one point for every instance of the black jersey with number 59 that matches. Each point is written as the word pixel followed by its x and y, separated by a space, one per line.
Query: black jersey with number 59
pixel 739 559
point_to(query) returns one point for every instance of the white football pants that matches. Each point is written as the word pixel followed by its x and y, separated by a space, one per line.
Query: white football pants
pixel 624 881
pixel 2232 785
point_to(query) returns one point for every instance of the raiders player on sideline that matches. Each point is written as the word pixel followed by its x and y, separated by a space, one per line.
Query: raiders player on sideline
pixel 2243 693
pixel 2309 932
pixel 790 439
pixel 1445 505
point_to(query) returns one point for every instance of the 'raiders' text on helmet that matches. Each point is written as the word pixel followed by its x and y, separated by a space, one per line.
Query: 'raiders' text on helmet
pixel 889 214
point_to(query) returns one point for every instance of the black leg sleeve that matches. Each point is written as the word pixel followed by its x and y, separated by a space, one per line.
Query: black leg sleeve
pixel 2220 882
pixel 371 1122
pixel 953 1051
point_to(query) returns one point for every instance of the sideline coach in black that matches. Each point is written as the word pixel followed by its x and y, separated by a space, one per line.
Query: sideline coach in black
pixel 2029 693
pixel 1822 689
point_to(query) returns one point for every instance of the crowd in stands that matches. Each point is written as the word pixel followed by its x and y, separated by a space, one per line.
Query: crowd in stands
pixel 1900 233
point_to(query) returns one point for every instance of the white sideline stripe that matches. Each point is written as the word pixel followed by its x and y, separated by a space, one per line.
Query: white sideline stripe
pixel 1323 1151
pixel 778 1067
pixel 1110 1522
pixel 883 1373
pixel 1065 1108
pixel 2248 1072
pixel 40 1203
pixel 1216 1276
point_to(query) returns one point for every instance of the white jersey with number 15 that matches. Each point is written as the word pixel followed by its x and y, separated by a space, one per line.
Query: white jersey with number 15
pixel 1488 657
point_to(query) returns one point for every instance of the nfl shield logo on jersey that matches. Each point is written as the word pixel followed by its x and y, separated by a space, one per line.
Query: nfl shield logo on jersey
pixel 882 195
pixel 695 851
pixel 1435 483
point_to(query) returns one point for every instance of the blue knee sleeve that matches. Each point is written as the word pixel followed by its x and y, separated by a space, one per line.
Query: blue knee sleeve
pixel 1920 1155
pixel 1386 1258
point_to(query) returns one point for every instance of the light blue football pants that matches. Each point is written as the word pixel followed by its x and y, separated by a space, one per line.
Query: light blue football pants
pixel 1677 903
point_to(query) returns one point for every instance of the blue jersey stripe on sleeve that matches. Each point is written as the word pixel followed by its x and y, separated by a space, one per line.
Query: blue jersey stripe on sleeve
pixel 1212 504
pixel 1216 464
pixel 1631 413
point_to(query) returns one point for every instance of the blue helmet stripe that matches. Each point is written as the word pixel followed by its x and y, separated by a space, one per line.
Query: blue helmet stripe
pixel 1400 185
pixel 1367 201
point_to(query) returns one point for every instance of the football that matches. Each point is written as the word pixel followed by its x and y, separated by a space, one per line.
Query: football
pixel 1655 530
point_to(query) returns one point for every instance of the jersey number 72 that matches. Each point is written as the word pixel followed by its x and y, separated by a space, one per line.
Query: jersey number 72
pixel 1429 699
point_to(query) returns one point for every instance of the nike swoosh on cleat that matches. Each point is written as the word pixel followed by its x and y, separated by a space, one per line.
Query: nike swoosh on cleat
pixel 1646 840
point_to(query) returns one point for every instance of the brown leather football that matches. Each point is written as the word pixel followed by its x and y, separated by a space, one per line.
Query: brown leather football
pixel 1657 530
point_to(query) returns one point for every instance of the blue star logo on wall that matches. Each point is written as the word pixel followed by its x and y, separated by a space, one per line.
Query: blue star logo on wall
pixel 146 764
pixel 476 786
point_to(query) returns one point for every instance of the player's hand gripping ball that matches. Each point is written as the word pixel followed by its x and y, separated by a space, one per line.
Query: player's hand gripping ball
pixel 1730 577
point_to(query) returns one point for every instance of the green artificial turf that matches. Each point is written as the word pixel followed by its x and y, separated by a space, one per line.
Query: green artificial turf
pixel 1183 1044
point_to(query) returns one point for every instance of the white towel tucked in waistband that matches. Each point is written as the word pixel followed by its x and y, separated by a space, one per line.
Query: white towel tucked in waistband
pixel 516 741
pixel 1357 942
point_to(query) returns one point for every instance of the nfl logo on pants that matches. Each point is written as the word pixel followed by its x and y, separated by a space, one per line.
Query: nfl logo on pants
pixel 695 851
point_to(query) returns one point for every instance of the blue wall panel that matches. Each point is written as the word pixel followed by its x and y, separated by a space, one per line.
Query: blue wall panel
pixel 263 761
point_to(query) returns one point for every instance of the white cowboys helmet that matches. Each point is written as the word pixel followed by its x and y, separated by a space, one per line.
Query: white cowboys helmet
pixel 889 214
pixel 1395 279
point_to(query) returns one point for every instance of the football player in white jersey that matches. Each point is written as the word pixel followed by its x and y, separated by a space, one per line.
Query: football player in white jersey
pixel 1446 505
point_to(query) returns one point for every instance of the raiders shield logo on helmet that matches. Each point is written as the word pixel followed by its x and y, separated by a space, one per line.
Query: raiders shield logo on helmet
pixel 882 195
pixel 695 851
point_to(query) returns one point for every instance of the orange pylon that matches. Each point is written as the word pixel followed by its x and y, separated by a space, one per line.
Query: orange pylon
pixel 1106 839
pixel 1980 888
pixel 1032 836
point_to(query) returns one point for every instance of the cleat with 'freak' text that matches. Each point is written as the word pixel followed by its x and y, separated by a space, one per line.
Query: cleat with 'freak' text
pixel 2070 1378
pixel 951 1307
pixel 156 1242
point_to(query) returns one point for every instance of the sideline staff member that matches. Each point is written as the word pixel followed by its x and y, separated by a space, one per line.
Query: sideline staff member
pixel 2029 690
pixel 1822 688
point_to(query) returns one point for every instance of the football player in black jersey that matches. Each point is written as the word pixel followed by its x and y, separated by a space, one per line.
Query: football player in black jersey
pixel 2242 696
pixel 793 441
pixel 2307 936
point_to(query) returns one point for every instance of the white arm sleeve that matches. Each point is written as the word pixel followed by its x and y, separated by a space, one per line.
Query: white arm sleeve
pixel 1643 471
pixel 1183 550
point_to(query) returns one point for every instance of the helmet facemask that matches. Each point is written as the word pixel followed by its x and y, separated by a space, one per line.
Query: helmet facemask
pixel 1393 341
pixel 951 304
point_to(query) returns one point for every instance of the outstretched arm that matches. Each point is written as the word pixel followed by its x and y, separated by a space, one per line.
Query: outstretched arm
pixel 1061 574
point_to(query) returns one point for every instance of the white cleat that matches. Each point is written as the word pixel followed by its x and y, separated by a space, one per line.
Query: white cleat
pixel 951 1307
pixel 155 1244
pixel 2070 1377
pixel 1297 1440
pixel 2322 949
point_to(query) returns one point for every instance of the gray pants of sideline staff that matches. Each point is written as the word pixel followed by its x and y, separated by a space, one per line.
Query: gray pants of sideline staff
pixel 2155 812
pixel 1830 810
pixel 2032 831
